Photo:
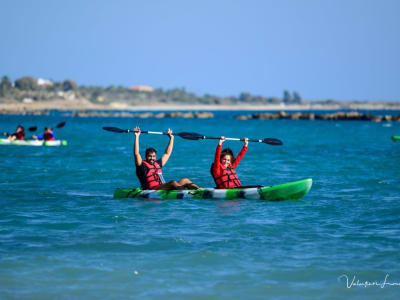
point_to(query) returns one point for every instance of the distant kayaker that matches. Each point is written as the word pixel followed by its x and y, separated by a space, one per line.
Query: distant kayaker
pixel 223 168
pixel 48 135
pixel 19 134
pixel 149 171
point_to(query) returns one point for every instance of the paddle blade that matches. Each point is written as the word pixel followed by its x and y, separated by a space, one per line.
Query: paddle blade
pixel 115 129
pixel 273 142
pixel 33 128
pixel 62 124
pixel 190 136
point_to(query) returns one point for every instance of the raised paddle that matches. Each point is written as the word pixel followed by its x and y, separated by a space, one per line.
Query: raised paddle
pixel 269 141
pixel 196 136
pixel 185 135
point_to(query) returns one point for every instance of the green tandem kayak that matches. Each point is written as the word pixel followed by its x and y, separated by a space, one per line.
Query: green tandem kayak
pixel 33 142
pixel 396 138
pixel 287 191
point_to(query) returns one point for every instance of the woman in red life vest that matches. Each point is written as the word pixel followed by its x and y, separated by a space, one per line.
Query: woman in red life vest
pixel 223 168
pixel 149 170
pixel 19 134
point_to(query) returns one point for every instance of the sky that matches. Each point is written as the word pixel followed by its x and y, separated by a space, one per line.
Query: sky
pixel 322 49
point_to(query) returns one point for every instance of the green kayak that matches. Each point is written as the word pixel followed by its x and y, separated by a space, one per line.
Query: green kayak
pixel 33 142
pixel 287 191
pixel 396 138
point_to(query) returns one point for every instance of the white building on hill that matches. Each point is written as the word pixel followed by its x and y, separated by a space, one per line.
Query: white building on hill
pixel 44 82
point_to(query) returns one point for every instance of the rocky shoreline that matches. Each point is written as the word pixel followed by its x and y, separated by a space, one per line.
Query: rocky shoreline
pixel 144 115
pixel 342 116
pixel 85 108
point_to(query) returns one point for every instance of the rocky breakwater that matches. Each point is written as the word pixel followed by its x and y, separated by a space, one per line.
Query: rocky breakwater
pixel 144 115
pixel 338 116
pixel 23 112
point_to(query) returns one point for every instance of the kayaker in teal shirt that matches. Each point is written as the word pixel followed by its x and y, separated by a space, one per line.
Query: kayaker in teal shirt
pixel 149 170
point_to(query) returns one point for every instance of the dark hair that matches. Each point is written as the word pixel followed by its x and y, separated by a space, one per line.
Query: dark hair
pixel 22 127
pixel 227 151
pixel 150 150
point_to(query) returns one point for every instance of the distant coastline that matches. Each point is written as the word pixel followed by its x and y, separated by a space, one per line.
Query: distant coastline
pixel 84 105
pixel 28 95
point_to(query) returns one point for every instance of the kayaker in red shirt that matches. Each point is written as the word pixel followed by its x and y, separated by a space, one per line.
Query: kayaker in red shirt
pixel 223 168
pixel 19 134
pixel 149 171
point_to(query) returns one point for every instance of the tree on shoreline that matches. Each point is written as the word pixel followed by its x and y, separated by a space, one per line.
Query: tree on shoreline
pixel 5 85
pixel 27 83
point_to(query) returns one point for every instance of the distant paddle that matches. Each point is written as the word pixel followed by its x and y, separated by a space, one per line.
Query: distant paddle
pixel 196 136
pixel 59 125
pixel 62 124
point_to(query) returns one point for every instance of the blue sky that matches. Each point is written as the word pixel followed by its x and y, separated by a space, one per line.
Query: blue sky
pixel 323 49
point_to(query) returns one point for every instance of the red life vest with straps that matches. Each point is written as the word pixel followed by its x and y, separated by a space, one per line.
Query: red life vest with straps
pixel 227 180
pixel 48 137
pixel 152 178
pixel 20 135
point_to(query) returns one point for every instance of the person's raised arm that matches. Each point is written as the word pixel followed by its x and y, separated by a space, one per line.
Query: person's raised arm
pixel 136 153
pixel 169 148
pixel 218 155
pixel 241 153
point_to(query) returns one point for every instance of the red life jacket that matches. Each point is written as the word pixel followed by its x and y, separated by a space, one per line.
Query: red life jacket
pixel 48 137
pixel 152 178
pixel 227 180
pixel 20 135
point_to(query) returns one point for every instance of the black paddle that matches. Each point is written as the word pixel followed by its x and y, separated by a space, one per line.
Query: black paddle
pixel 62 124
pixel 185 135
pixel 269 141
pixel 196 136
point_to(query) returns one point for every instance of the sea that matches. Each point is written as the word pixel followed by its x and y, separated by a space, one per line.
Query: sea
pixel 63 236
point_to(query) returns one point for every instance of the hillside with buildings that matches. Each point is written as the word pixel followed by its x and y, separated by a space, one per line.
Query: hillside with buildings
pixel 29 93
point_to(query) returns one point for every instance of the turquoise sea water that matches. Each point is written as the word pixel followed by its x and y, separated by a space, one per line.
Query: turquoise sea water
pixel 63 236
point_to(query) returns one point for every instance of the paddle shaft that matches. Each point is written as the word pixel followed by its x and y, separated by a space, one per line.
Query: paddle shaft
pixel 203 137
pixel 150 132
pixel 232 139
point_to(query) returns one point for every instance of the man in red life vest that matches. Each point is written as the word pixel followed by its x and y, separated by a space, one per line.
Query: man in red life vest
pixel 223 168
pixel 149 171
pixel 19 134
